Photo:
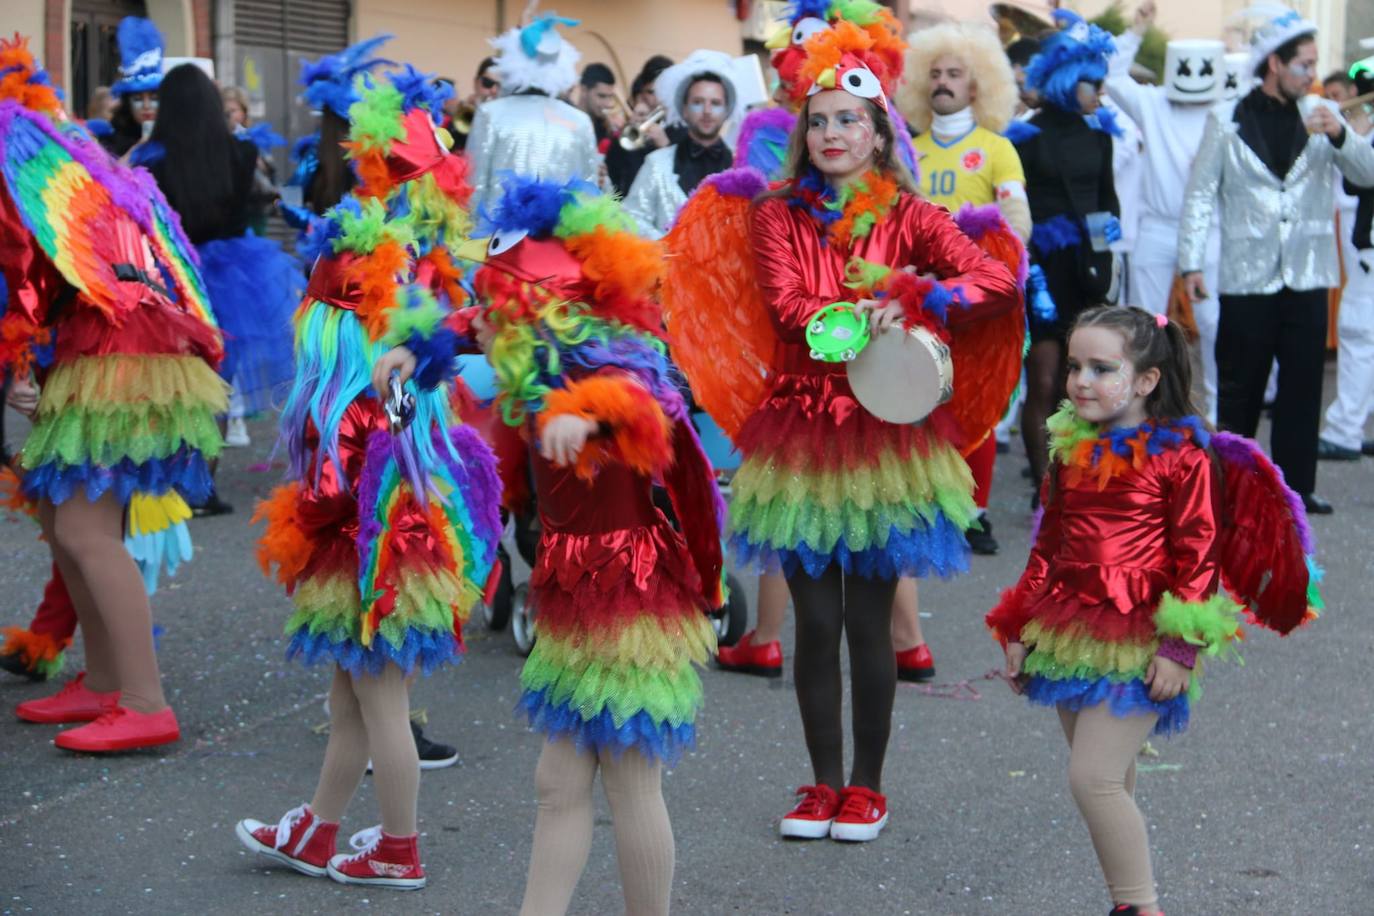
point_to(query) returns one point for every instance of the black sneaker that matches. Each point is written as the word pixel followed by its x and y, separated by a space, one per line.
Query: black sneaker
pixel 433 756
pixel 1330 451
pixel 1124 909
pixel 212 507
pixel 980 540
pixel 1367 446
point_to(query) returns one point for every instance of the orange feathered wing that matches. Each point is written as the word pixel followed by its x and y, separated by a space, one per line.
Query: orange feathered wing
pixel 719 329
pixel 987 354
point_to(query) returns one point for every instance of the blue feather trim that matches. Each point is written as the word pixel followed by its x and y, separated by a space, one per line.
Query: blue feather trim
pixel 656 740
pixel 264 137
pixel 425 651
pixel 184 471
pixel 1124 698
pixel 1056 233
pixel 158 550
pixel 938 548
pixel 1019 132
pixel 435 361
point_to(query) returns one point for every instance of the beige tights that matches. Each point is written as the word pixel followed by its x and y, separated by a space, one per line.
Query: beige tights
pixel 563 829
pixel 1102 751
pixel 87 540
pixel 370 716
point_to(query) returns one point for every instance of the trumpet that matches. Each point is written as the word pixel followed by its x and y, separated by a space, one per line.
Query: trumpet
pixel 635 135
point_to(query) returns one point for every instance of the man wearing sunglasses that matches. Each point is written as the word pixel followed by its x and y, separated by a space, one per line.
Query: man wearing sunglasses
pixel 1266 160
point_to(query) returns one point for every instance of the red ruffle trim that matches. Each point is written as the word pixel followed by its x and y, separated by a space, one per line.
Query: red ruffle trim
pixel 584 582
pixel 1115 604
pixel 147 330
pixel 814 421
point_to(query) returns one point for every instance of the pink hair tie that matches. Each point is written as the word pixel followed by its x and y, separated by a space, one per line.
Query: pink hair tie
pixel 1161 320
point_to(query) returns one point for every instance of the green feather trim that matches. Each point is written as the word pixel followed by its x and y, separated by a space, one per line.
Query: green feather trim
pixel 1210 625
pixel 585 214
pixel 421 316
pixel 375 119
pixel 1067 429
pixel 362 233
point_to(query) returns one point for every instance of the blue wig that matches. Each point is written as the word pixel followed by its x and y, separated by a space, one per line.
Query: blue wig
pixel 1076 54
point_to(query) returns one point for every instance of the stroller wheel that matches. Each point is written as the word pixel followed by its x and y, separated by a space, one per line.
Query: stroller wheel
pixel 522 618
pixel 731 620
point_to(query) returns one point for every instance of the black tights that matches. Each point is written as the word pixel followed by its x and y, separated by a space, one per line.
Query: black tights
pixel 1044 389
pixel 862 608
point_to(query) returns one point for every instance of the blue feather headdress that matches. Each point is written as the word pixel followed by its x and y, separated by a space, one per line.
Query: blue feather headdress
pixel 140 56
pixel 1076 54
pixel 329 81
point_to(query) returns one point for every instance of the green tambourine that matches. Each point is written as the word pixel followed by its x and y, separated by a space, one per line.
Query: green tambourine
pixel 836 333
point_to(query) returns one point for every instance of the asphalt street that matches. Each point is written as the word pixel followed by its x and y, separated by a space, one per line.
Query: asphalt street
pixel 1263 807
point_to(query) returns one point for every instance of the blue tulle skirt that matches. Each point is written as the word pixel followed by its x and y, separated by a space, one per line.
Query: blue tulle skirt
pixel 254 287
pixel 1123 698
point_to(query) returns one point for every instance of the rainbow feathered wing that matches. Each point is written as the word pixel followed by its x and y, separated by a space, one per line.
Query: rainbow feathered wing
pixel 719 329
pixel 1266 547
pixel 85 211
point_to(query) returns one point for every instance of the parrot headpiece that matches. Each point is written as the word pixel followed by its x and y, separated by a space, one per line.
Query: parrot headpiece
pixel 331 82
pixel 140 56
pixel 566 281
pixel 537 57
pixel 820 32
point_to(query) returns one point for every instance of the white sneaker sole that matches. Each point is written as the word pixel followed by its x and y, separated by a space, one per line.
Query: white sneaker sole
pixel 438 764
pixel 857 833
pixel 798 829
pixel 396 884
pixel 276 855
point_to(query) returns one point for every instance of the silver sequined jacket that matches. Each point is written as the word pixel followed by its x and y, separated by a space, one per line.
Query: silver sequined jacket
pixel 1274 232
pixel 529 135
pixel 655 197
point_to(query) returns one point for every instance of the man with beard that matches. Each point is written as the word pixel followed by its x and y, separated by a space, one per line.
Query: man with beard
pixel 597 99
pixel 1270 168
pixel 700 94
pixel 960 95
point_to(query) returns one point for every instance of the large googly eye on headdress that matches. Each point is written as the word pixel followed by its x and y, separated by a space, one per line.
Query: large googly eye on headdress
pixel 501 242
pixel 807 27
pixel 860 82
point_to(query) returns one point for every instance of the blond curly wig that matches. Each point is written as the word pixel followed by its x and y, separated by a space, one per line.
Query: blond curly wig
pixel 994 100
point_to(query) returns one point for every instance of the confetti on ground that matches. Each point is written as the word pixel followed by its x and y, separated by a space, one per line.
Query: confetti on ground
pixel 1158 767
pixel 260 467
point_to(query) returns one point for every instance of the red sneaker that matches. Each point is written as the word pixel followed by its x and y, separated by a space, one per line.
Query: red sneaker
pixel 73 703
pixel 744 656
pixel 915 664
pixel 812 817
pixel 299 840
pixel 862 816
pixel 122 729
pixel 382 860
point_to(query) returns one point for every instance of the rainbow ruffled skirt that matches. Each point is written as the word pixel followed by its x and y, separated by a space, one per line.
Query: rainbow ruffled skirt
pixel 876 499
pixel 123 423
pixel 620 625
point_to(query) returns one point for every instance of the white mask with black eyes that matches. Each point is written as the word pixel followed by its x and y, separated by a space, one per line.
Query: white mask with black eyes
pixel 1238 81
pixel 1194 71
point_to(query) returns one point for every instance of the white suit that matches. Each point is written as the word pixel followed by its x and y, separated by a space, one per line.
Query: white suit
pixel 1172 133
pixel 1345 418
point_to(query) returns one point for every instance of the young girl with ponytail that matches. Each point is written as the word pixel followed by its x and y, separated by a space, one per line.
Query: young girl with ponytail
pixel 1147 515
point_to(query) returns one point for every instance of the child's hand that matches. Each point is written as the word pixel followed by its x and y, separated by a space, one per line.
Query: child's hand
pixel 1166 679
pixel 23 396
pixel 1016 657
pixel 563 437
pixel 398 359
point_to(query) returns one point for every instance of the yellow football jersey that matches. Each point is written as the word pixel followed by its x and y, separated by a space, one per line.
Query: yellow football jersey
pixel 978 168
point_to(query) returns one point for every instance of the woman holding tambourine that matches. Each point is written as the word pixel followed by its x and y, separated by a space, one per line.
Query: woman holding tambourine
pixel 843 501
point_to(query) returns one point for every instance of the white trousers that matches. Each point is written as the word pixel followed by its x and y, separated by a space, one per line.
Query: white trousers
pixel 1346 417
pixel 1153 266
